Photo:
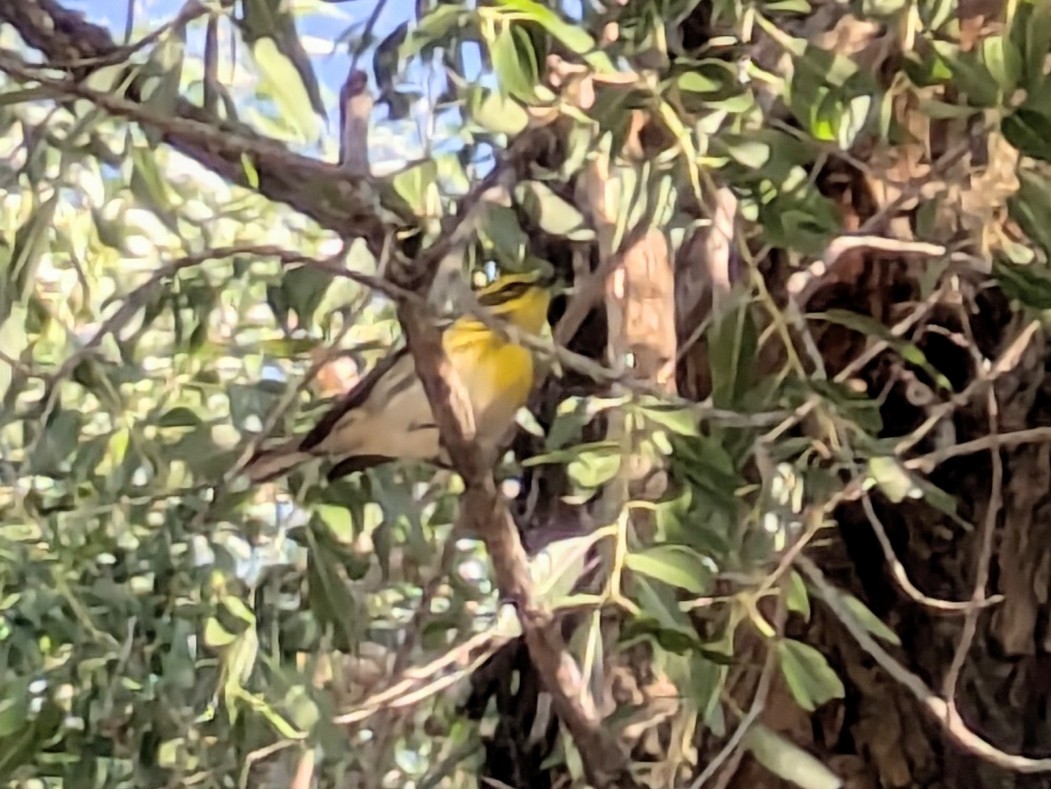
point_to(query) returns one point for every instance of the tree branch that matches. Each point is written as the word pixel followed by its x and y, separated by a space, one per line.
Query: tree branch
pixel 943 712
pixel 325 192
pixel 485 513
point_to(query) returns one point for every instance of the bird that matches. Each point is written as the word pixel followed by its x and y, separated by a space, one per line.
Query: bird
pixel 386 416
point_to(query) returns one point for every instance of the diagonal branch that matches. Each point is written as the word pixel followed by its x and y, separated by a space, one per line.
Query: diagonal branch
pixel 324 192
pixel 485 513
pixel 943 711
pixel 483 509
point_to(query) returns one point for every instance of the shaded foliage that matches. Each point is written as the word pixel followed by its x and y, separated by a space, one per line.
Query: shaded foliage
pixel 853 392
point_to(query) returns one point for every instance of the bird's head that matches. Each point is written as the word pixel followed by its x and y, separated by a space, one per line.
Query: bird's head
pixel 522 298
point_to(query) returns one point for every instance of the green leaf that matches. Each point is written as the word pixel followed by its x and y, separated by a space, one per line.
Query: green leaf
pixel 663 617
pixel 787 760
pixel 250 171
pixel 574 37
pixel 696 82
pixel 435 26
pixel 557 568
pixel 708 78
pixel 808 675
pixel 338 520
pixel 61 439
pixel 162 76
pixel 1030 206
pixel 14 707
pixel 787 7
pixel 1029 130
pixel 750 153
pixel 284 84
pixel 572 414
pixel 501 232
pixel 274 19
pixel 852 121
pixel 515 62
pixel 332 600
pixel 733 345
pixel 869 620
pixel 870 327
pixel 239 660
pixel 497 114
pixel 970 75
pixel 1032 27
pixel 1003 61
pixel 555 215
pixel 302 290
pixel 674 418
pixel 302 709
pixel 893 478
pixel 171 752
pixel 147 183
pixel 237 607
pixel 591 469
pixel 707 680
pixel 418 187
pixel 861 410
pixel 797 599
pixel 940 110
pixel 882 8
pixel 216 636
pixel 32 241
pixel 13 341
pixel 676 565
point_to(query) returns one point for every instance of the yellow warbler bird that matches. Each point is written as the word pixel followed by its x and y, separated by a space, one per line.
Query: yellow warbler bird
pixel 387 416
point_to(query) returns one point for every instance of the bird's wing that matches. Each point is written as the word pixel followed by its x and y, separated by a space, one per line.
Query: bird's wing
pixel 354 399
pixel 267 464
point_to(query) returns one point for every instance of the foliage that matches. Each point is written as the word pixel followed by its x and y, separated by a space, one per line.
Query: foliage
pixel 166 625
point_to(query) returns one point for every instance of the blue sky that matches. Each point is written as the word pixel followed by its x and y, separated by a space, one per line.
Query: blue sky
pixel 325 26
pixel 318 31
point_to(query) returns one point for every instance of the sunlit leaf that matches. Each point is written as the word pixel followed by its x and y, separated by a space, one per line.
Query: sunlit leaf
pixel 497 114
pixel 576 38
pixel 284 84
pixel 893 479
pixel 515 62
pixel 13 341
pixel 554 215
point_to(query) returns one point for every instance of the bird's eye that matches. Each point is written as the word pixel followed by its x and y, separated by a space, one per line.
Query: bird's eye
pixel 504 295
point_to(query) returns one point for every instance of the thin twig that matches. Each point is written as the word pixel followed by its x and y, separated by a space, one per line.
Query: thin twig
pixel 407 690
pixel 902 577
pixel 366 33
pixel 927 463
pixel 1004 363
pixel 945 714
pixel 732 751
pixel 222 146
pixel 384 728
pixel 985 553
pixel 856 365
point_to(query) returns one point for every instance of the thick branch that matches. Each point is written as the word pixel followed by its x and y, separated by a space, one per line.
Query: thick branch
pixel 487 515
pixel 324 192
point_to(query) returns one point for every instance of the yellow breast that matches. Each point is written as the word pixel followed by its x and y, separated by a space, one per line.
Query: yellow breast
pixel 498 376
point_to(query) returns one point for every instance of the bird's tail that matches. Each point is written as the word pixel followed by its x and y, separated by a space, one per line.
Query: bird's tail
pixel 268 464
